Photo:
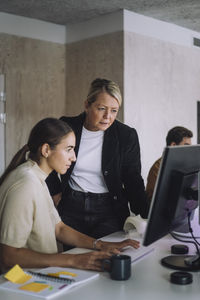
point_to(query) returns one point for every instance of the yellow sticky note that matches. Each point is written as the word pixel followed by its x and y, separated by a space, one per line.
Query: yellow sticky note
pixel 34 287
pixel 17 275
pixel 62 273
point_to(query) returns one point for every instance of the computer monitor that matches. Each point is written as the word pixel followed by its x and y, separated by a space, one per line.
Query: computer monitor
pixel 175 195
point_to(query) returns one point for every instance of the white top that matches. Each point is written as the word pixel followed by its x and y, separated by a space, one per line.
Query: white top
pixel 87 174
pixel 27 213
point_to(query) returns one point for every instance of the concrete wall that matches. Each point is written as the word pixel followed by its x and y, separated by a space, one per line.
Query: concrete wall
pixel 88 59
pixel 49 69
pixel 161 84
pixel 35 85
pixel 47 77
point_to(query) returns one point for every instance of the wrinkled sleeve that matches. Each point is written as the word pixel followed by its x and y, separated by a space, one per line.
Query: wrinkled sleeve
pixel 17 216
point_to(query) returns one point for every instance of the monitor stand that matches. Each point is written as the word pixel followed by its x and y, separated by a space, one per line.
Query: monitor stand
pixel 182 262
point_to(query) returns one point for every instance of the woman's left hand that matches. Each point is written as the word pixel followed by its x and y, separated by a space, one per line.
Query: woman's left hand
pixel 116 247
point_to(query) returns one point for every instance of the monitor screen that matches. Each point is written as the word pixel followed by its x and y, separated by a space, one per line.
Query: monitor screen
pixel 176 192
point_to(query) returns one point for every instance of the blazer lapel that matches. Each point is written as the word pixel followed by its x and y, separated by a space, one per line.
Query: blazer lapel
pixel 110 146
pixel 78 131
pixel 77 125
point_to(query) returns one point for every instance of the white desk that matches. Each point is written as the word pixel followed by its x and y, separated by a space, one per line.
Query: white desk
pixel 149 281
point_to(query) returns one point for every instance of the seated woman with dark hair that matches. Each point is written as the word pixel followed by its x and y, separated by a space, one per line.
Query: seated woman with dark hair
pixel 29 223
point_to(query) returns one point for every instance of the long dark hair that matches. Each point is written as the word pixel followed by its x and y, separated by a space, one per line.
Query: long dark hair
pixel 50 131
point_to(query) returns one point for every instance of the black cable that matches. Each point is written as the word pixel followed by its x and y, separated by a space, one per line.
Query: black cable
pixel 190 229
pixel 195 242
pixel 184 241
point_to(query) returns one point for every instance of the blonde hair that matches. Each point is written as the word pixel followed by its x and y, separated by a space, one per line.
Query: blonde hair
pixel 100 85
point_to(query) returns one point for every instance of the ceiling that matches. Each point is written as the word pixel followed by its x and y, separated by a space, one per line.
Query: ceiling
pixel 185 13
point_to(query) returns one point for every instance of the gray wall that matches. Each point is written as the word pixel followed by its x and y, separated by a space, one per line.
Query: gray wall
pixel 49 79
pixel 159 79
pixel 162 86
pixel 35 85
pixel 91 58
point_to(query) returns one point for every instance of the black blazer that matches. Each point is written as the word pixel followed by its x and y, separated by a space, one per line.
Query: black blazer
pixel 121 168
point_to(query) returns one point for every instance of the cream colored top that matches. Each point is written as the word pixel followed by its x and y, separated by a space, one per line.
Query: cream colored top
pixel 27 213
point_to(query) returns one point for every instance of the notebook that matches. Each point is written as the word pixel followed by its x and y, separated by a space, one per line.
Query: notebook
pixel 45 283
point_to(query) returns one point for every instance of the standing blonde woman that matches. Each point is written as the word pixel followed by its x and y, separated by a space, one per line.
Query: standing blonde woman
pixel 106 178
pixel 29 223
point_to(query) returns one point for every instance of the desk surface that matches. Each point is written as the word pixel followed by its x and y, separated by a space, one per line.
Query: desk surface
pixel 149 280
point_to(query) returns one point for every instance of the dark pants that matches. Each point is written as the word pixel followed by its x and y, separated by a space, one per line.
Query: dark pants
pixel 89 213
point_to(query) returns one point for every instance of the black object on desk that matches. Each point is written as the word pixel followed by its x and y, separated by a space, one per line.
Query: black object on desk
pixel 179 249
pixel 119 266
pixel 181 278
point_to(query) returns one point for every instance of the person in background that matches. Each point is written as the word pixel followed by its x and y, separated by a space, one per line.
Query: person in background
pixel 106 179
pixel 29 222
pixel 176 136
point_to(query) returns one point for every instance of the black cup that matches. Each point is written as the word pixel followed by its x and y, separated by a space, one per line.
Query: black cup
pixel 119 266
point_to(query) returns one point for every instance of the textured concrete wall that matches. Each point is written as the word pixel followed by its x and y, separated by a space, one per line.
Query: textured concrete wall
pixel 49 79
pixel 158 79
pixel 35 85
pixel 161 89
pixel 88 59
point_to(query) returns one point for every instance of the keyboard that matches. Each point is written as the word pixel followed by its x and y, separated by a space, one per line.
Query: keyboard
pixel 135 254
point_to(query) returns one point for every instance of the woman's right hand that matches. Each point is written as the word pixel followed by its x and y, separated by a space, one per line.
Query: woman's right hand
pixel 90 260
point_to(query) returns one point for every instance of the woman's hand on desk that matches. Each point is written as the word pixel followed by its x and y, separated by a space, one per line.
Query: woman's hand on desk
pixel 90 260
pixel 116 247
pixel 26 258
pixel 93 260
